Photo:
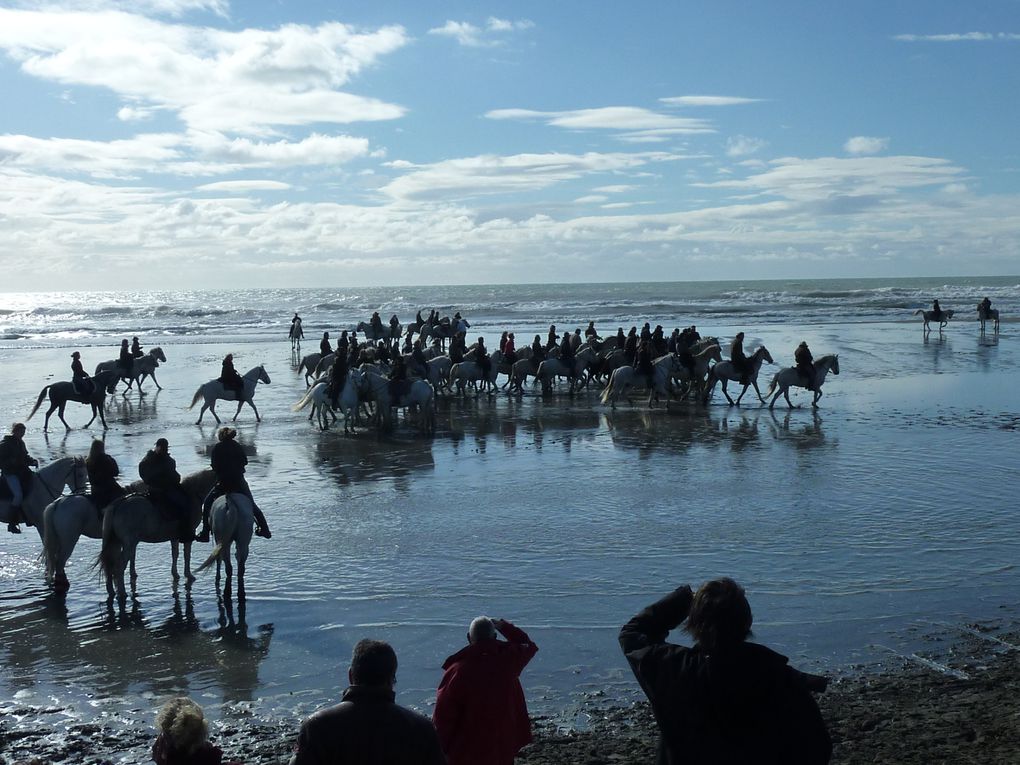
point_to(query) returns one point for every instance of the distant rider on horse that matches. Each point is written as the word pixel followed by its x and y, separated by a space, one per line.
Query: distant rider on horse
pixel 741 364
pixel 136 348
pixel 82 383
pixel 805 364
pixel 125 361
pixel 228 461
pixel 936 310
pixel 229 377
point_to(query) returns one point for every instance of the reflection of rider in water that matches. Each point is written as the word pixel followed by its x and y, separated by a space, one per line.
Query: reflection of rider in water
pixel 79 378
pixel 159 472
pixel 805 364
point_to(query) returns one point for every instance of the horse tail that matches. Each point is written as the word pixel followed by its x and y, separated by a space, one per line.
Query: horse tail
pixel 919 312
pixel 106 561
pixel 538 374
pixel 51 541
pixel 38 402
pixel 607 392
pixel 196 397
pixel 773 385
pixel 305 400
pixel 217 550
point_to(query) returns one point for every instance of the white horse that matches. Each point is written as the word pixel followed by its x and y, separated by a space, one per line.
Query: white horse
pixel 47 484
pixel 663 369
pixel 992 315
pixel 550 369
pixel 385 332
pixel 231 517
pixel 133 518
pixel 143 366
pixel 725 372
pixel 322 407
pixel 929 316
pixel 214 390
pixel 789 377
pixel 471 371
pixel 296 334
pixel 417 394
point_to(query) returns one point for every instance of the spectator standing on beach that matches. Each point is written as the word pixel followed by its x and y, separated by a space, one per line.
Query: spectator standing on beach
pixel 480 714
pixel 724 700
pixel 184 736
pixel 367 727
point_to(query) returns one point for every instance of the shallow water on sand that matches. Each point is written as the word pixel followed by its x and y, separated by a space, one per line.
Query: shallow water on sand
pixel 853 528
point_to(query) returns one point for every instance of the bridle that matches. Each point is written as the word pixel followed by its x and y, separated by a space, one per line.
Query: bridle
pixel 76 487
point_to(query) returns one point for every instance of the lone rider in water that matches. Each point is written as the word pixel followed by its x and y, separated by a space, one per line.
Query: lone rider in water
pixel 936 310
pixel 805 364
pixel 229 377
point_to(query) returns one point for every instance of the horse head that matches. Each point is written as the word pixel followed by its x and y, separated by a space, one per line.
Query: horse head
pixel 158 354
pixel 107 380
pixel 79 476
pixel 763 352
pixel 263 376
pixel 830 362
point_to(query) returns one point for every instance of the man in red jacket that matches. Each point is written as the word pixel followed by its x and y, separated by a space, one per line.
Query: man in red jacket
pixel 480 715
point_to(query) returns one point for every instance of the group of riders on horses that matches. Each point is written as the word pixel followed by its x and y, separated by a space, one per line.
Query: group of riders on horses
pixel 158 471
pixel 83 384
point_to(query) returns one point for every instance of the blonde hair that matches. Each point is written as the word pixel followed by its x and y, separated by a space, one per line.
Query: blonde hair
pixel 182 721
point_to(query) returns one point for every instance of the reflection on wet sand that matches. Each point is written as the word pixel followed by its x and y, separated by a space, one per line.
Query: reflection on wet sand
pixel 799 433
pixel 368 458
pixel 43 647
pixel 125 410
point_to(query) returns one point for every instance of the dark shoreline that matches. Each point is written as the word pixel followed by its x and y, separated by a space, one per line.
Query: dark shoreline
pixel 959 704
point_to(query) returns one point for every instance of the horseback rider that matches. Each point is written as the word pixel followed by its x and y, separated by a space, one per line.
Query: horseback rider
pixel 125 361
pixel 296 332
pixel 936 310
pixel 324 347
pixel 460 323
pixel 418 359
pixel 621 339
pixel 382 351
pixel 136 348
pixel 377 328
pixel 805 364
pixel 567 354
pixel 343 344
pixel 985 306
pixel 82 383
pixel 550 343
pixel 228 375
pixel 658 341
pixel 644 365
pixel 457 348
pixel 646 332
pixel 337 377
pixel 591 333
pixel 15 469
pixel 482 358
pixel 228 460
pixel 158 470
pixel 630 346
pixel 354 350
pixel 408 345
pixel 103 471
pixel 740 362
pixel 537 351
pixel 683 348
pixel 394 329
pixel 398 376
pixel 510 349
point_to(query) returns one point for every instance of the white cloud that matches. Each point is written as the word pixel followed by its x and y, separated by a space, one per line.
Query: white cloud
pixel 494 174
pixel 742 146
pixel 633 124
pixel 243 82
pixel 862 144
pixel 590 198
pixel 707 100
pixel 618 188
pixel 239 187
pixel 471 36
pixel 102 159
pixel 960 37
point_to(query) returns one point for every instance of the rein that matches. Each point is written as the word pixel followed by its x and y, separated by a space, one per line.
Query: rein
pixel 75 488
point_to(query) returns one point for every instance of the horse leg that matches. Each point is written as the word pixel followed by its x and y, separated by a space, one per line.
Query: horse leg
pixel 212 408
pixel 786 392
pixel 742 394
pixel 724 382
pixel 60 414
pixel 158 386
pixel 46 424
pixel 102 416
pixel 818 395
pixel 201 413
pixel 239 405
pixel 225 555
pixel 174 552
pixel 775 398
pixel 188 576
pixel 251 403
pixel 754 382
pixel 242 558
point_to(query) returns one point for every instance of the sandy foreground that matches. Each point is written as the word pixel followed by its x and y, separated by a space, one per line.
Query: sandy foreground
pixel 962 708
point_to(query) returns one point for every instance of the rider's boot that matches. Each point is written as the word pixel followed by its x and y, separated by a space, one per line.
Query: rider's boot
pixel 261 526
pixel 203 534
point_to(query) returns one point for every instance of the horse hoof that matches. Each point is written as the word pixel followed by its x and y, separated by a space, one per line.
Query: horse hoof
pixel 190 578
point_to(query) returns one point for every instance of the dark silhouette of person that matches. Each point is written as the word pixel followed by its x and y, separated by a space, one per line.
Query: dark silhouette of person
pixel 125 361
pixel 741 365
pixel 324 347
pixel 724 700
pixel 337 378
pixel 367 726
pixel 103 471
pixel 228 461
pixel 136 348
pixel 16 470
pixel 550 342
pixel 158 470
pixel 80 379
pixel 645 366
pixel 630 346
pixel 936 310
pixel 805 364
pixel 229 377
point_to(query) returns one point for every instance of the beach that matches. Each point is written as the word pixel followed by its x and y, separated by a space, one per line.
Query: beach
pixel 859 530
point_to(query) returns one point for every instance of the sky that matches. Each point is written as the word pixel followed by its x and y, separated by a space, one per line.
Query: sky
pixel 204 143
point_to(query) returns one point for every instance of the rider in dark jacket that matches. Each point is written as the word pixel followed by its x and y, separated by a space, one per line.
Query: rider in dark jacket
pixel 228 461
pixel 936 310
pixel 82 383
pixel 418 358
pixel 630 346
pixel 805 364
pixel 136 348
pixel 15 469
pixel 644 365
pixel 125 361
pixel 739 360
pixel 324 347
pixel 159 472
pixel 337 378
pixel 228 375
pixel 103 471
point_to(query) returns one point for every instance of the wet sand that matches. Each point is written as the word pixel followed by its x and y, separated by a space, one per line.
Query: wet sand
pixel 853 535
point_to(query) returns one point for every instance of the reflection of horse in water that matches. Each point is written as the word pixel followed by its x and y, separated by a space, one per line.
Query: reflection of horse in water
pixel 790 377
pixel 991 314
pixel 929 316
pixel 356 460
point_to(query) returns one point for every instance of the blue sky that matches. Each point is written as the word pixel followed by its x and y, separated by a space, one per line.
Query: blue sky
pixel 188 143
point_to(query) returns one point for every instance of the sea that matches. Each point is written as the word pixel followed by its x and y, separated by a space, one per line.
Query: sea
pixel 870 532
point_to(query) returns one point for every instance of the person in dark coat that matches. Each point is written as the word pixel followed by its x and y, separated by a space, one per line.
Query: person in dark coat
pixel 158 470
pixel 421 364
pixel 80 379
pixel 125 361
pixel 805 364
pixel 537 351
pixel 16 470
pixel 228 460
pixel 457 348
pixel 567 354
pixel 482 358
pixel 480 714
pixel 658 342
pixel 228 375
pixel 985 306
pixel 646 332
pixel 136 348
pixel 337 378
pixel 382 352
pixel 591 333
pixel 324 347
pixel 352 353
pixel 184 736
pixel 367 727
pixel 398 377
pixel 297 332
pixel 621 339
pixel 724 700
pixel 740 362
pixel 936 310
pixel 343 345
pixel 630 346
pixel 103 471
pixel 550 342
pixel 644 365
